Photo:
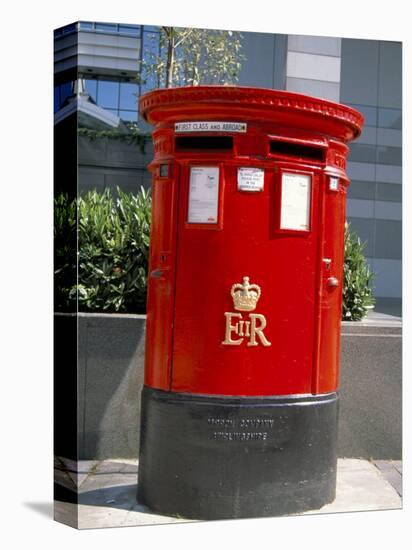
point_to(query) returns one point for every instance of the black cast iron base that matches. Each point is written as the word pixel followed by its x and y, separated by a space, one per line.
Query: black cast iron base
pixel 208 457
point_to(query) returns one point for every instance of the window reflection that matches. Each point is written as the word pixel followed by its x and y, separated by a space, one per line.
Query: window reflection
pixel 56 98
pixel 128 116
pixel 108 94
pixel 133 30
pixel 390 155
pixel 91 88
pixel 128 95
pixel 66 90
pixel 117 96
pixel 108 27
pixel 390 118
pixel 86 25
pixel 370 113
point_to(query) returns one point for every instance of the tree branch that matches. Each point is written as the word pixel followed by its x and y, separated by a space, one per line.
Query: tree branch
pixel 188 33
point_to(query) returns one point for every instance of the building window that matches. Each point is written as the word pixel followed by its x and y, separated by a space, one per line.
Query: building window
pixel 390 118
pixel 91 88
pixel 86 25
pixel 128 116
pixel 106 27
pixel 132 30
pixel 120 98
pixel 128 95
pixel 56 98
pixel 370 113
pixel 66 90
pixel 61 93
pixel 108 94
pixel 65 30
pixel 151 28
pixel 129 30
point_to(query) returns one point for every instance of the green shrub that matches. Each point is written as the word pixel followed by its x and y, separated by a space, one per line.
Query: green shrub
pixel 65 265
pixel 113 247
pixel 357 279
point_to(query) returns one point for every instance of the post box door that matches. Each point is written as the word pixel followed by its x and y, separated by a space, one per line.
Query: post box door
pixel 332 283
pixel 251 235
pixel 158 355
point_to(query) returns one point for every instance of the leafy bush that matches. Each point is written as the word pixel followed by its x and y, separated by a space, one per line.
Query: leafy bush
pixel 357 279
pixel 113 247
pixel 65 267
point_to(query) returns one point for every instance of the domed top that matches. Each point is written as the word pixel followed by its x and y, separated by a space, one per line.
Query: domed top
pixel 169 105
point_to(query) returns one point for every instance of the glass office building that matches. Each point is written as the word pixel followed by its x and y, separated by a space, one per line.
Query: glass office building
pixel 107 59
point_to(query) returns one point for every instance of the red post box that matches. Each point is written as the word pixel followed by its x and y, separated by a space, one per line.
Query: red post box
pixel 239 408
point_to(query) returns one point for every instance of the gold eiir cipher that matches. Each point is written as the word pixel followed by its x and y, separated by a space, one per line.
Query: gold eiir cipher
pixel 245 297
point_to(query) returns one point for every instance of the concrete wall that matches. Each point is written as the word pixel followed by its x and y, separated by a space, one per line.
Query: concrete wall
pixel 105 162
pixel 110 377
pixel 370 423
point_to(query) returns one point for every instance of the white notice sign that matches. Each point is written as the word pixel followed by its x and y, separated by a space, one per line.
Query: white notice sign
pixel 210 126
pixel 295 202
pixel 203 194
pixel 250 179
pixel 334 184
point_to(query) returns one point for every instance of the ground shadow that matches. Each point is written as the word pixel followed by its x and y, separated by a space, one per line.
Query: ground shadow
pixel 43 508
pixel 122 497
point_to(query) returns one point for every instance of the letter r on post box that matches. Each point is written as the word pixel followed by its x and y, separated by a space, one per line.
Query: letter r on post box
pixel 257 330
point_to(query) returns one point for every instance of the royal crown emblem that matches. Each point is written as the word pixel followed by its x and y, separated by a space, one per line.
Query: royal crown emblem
pixel 245 296
pixel 240 325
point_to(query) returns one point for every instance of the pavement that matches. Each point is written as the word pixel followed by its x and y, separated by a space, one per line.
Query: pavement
pixel 376 319
pixel 107 492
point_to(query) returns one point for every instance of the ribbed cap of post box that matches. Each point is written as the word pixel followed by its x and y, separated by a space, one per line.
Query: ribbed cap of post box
pixel 169 105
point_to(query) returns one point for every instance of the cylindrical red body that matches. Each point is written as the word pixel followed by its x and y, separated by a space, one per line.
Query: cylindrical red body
pixel 246 267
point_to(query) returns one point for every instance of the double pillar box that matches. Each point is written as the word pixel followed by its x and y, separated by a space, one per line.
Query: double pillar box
pixel 240 404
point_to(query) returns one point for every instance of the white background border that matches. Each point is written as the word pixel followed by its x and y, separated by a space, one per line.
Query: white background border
pixel 26 270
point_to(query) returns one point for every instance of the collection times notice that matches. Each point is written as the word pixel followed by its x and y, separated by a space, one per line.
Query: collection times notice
pixel 203 194
pixel 295 205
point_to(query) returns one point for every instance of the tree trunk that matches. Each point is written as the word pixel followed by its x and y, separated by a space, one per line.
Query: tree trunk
pixel 195 70
pixel 170 57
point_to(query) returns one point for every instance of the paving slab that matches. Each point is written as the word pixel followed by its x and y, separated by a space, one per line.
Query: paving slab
pixel 392 472
pixel 77 471
pixel 398 465
pixel 107 496
pixel 375 318
pixel 360 487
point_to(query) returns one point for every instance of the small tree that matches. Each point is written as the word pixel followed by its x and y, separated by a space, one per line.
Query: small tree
pixel 189 57
pixel 357 279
